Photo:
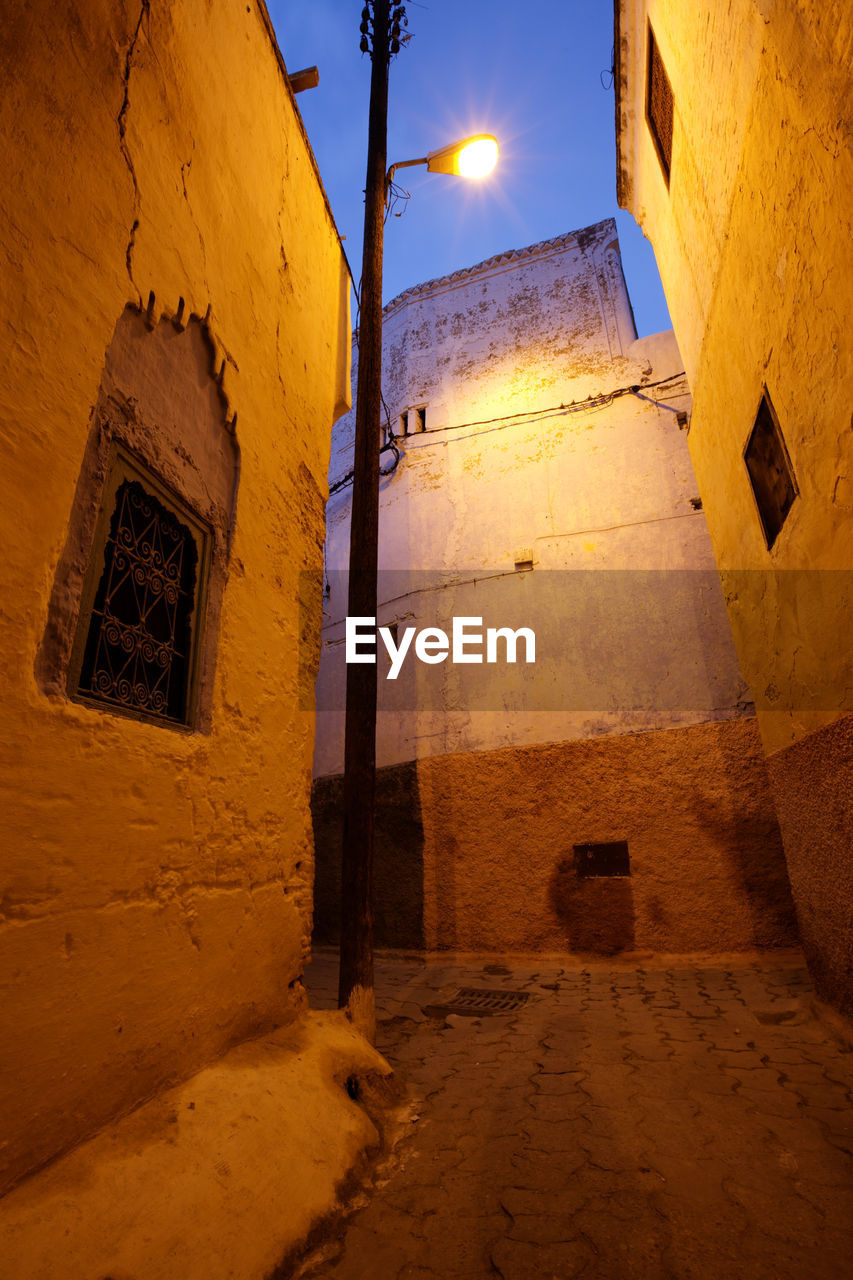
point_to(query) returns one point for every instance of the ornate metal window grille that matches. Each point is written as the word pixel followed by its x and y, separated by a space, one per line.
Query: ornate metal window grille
pixel 137 636
pixel 659 106
pixel 770 472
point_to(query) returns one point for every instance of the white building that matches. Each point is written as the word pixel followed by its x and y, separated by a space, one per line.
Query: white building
pixel 537 476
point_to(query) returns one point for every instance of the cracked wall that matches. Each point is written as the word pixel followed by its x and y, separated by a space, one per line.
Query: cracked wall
pixel 155 899
pixel 752 237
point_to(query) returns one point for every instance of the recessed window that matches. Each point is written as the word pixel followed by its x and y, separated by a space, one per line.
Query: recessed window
pixel 770 472
pixel 659 106
pixel 607 859
pixel 137 637
pixel 412 420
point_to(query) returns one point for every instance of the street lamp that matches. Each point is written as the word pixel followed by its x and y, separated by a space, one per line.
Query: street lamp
pixel 470 157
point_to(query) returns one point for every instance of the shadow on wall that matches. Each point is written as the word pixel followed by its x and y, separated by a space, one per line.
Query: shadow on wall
pixel 597 914
pixel 473 850
pixel 752 845
pixel 813 783
pixel 744 828
pixel 398 871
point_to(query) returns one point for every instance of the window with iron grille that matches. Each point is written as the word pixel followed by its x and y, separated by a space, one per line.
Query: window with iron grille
pixel 659 106
pixel 137 637
pixel 770 472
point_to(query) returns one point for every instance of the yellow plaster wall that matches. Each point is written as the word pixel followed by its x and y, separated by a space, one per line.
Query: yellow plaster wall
pixel 700 47
pixel 155 891
pixel 753 242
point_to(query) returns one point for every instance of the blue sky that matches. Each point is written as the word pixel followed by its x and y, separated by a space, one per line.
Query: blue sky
pixel 529 73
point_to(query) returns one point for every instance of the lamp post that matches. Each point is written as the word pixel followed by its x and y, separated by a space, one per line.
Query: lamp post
pixel 471 157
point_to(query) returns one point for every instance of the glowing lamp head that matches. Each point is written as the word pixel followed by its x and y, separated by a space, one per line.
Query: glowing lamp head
pixel 470 157
pixel 478 158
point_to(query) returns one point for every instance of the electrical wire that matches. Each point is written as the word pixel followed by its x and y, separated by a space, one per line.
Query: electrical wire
pixel 396 195
pixel 575 406
pixel 420 591
pixel 514 419
pixel 347 479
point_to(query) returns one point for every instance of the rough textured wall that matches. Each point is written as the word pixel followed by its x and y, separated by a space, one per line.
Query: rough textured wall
pixel 475 844
pixel 812 786
pixel 509 334
pixel 752 238
pixel 159 404
pixel 515 460
pixel 711 54
pixel 155 883
pixel 480 856
pixel 753 241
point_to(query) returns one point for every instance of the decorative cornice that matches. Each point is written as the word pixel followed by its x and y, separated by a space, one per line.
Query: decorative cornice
pixel 583 237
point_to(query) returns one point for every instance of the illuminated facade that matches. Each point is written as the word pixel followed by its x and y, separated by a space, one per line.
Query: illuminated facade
pixel 175 336
pixel 751 221
pixel 537 475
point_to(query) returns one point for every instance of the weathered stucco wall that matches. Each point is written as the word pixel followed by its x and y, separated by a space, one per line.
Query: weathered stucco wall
pixel 752 238
pixel 753 241
pixel 517 461
pixel 644 728
pixel 812 785
pixel 476 851
pixel 156 882
pixel 222 1176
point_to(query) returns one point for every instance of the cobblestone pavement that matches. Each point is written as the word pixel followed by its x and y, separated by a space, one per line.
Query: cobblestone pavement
pixel 689 1118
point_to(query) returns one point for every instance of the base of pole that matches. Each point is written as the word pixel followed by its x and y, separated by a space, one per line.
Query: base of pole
pixel 361 1011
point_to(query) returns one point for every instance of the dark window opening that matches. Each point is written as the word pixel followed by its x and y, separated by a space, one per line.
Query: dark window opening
pixel 607 859
pixel 412 420
pixel 659 106
pixel 137 636
pixel 770 471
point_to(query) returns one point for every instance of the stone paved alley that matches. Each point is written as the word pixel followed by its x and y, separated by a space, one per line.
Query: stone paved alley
pixel 689 1118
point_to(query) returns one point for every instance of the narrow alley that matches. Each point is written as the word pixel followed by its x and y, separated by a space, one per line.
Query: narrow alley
pixel 427 526
pixel 686 1119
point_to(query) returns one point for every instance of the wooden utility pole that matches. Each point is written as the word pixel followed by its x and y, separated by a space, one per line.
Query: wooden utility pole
pixel 356 973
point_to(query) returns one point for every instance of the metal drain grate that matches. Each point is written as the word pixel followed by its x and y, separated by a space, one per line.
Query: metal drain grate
pixel 479 1002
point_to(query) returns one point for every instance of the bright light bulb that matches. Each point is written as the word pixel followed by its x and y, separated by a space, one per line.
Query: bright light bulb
pixel 478 158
